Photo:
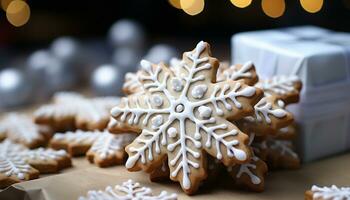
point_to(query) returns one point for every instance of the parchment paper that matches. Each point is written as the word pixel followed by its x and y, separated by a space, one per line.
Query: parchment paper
pixel 83 177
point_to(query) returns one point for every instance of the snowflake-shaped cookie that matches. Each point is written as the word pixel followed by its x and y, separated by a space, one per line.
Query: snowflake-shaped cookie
pixel 286 88
pixel 17 163
pixel 100 147
pixel 20 128
pixel 250 175
pixel 129 190
pixel 179 116
pixel 279 153
pixel 270 113
pixel 328 193
pixel 71 110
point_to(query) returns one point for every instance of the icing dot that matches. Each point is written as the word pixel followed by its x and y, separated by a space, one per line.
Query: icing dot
pixel 179 108
pixel 157 100
pixel 204 112
pixel 157 121
pixel 177 84
pixel 172 132
pixel 199 91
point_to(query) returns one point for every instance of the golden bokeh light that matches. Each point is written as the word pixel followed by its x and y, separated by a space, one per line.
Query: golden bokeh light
pixel 312 6
pixel 192 7
pixel 241 3
pixel 18 13
pixel 5 4
pixel 175 3
pixel 273 8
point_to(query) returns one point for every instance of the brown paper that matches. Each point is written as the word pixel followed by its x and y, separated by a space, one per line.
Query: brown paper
pixel 83 177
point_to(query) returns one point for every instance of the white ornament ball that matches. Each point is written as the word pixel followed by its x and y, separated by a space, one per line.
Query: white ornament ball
pixel 106 80
pixel 65 48
pixel 161 53
pixel 127 59
pixel 50 74
pixel 126 33
pixel 15 88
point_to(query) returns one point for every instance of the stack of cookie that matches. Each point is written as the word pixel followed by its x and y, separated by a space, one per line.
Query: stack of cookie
pixel 82 124
pixel 21 154
pixel 72 125
pixel 193 117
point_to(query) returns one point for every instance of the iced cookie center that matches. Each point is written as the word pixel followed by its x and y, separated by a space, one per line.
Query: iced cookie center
pixel 179 108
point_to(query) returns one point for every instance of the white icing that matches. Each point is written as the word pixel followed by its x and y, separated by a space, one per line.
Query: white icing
pixel 247 169
pixel 264 108
pixel 14 166
pixel 205 112
pixel 89 111
pixel 85 137
pixel 42 154
pixel 199 91
pixel 108 144
pixel 234 73
pixel 280 85
pixel 127 191
pixel 8 148
pixel 157 121
pixel 172 132
pixel 331 193
pixel 283 147
pixel 131 82
pixel 157 100
pixel 183 157
pixel 20 128
pixel 177 84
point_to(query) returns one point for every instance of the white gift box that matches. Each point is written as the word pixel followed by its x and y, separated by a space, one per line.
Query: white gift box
pixel 321 58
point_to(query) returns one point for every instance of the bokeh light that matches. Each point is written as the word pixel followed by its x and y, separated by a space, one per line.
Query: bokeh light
pixel 192 7
pixel 175 3
pixel 5 3
pixel 312 6
pixel 273 8
pixel 241 3
pixel 18 13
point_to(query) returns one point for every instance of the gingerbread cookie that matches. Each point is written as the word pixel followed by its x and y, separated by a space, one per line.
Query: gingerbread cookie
pixel 18 163
pixel 20 128
pixel 270 115
pixel 108 149
pixel 281 155
pixel 100 147
pixel 127 191
pixel 182 117
pixel 250 175
pixel 286 88
pixel 75 143
pixel 73 111
pixel 245 73
pixel 14 170
pixel 286 133
pixel 328 193
pixel 131 84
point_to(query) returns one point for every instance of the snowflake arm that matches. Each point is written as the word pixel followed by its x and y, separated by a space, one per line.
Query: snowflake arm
pixel 231 100
pixel 286 88
pixel 15 167
pixel 136 111
pixel 245 73
pixel 270 115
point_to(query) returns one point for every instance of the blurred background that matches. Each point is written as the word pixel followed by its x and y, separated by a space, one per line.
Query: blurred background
pixel 63 45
